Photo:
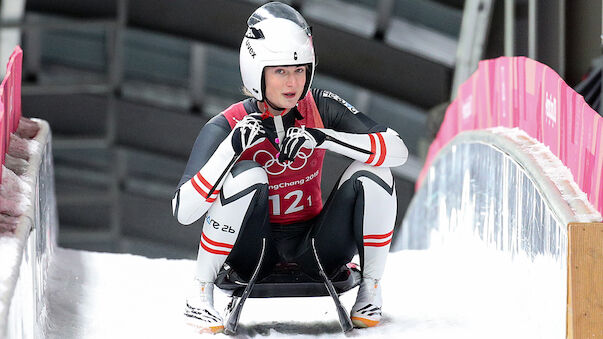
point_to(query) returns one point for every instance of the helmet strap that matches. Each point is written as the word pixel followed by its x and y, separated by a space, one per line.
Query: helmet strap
pixel 267 113
pixel 273 105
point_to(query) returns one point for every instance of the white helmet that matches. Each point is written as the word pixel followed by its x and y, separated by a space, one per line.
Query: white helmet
pixel 277 35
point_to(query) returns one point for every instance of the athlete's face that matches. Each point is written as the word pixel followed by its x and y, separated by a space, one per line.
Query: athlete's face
pixel 284 85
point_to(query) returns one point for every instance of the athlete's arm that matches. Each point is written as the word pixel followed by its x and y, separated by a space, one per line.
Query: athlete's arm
pixel 215 151
pixel 351 133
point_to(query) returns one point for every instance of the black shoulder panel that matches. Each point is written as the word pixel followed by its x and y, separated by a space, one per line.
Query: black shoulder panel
pixel 339 115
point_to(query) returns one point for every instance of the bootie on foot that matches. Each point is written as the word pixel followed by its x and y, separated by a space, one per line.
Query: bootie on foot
pixel 199 310
pixel 366 312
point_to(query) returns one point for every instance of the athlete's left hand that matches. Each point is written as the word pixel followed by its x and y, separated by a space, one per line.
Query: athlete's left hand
pixel 298 137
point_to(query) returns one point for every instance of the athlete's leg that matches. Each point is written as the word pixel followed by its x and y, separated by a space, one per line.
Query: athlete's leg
pixel 376 208
pixel 359 216
pixel 378 218
pixel 240 209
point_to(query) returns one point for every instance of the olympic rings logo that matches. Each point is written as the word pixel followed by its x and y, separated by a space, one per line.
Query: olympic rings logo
pixel 275 167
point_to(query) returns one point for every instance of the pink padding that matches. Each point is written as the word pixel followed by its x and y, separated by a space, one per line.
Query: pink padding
pixel 520 92
pixel 19 147
pixel 8 223
pixel 10 102
pixel 13 194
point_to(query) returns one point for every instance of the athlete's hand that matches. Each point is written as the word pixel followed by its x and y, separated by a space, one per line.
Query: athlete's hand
pixel 247 133
pixel 298 137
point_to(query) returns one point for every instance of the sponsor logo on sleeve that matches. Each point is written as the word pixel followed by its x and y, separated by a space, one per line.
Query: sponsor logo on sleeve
pixel 337 98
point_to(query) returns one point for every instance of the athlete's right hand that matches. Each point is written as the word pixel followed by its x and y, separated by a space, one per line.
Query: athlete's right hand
pixel 247 133
pixel 298 137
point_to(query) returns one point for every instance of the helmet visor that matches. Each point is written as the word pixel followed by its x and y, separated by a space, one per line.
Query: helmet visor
pixel 278 10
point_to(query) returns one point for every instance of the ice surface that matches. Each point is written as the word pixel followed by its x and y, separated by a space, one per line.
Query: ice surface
pixel 27 228
pixel 428 294
pixel 22 148
pixel 554 169
pixel 27 128
pixel 14 193
pixel 9 249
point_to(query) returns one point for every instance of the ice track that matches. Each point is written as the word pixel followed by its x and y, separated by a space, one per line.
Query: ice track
pixel 102 295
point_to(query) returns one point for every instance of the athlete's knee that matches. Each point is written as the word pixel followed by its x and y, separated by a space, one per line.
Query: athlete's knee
pixel 245 190
pixel 244 175
pixel 381 176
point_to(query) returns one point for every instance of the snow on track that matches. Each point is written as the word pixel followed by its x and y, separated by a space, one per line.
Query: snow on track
pixel 426 295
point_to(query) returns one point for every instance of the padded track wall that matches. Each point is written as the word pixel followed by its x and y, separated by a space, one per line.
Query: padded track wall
pixel 520 92
pixel 10 102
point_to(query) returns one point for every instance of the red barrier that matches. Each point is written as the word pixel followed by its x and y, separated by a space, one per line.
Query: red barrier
pixel 10 102
pixel 3 134
pixel 520 92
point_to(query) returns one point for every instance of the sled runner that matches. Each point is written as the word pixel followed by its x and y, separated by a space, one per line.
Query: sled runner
pixel 286 280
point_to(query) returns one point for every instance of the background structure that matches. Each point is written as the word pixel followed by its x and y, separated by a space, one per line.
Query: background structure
pixel 126 86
